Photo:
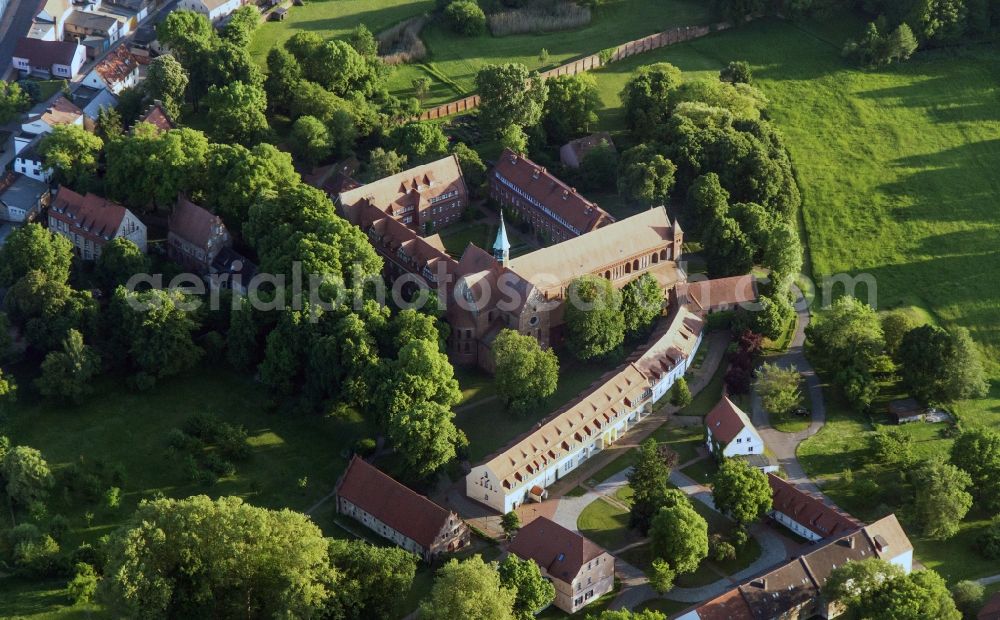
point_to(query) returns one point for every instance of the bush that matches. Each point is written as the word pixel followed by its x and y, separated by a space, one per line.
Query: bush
pixel 37 555
pixel 989 541
pixel 232 442
pixel 365 447
pixel 204 426
pixel 543 16
pixel 720 549
pixel 218 466
pixel 82 587
pixel 465 17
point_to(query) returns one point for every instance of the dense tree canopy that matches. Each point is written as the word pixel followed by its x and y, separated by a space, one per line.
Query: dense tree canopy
pixel 779 388
pixel 469 589
pixel 679 536
pixel 741 491
pixel 13 100
pixel 67 374
pixel 309 140
pixel 199 557
pixel 166 81
pixel 571 106
pixel 72 154
pixel 371 578
pixel 236 113
pixel 533 590
pixel 150 167
pixel 650 483
pixel 645 176
pixel 977 452
pixel 26 474
pixel 875 588
pixel 525 374
pixel 646 97
pixel 642 304
pixel 941 365
pixel 33 247
pixel 941 500
pixel 120 260
pixel 595 324
pixel 419 141
pixel 510 95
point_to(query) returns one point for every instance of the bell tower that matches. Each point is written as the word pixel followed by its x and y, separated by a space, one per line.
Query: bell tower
pixel 501 247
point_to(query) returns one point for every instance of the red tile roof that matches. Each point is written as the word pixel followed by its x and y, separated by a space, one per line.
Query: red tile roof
pixel 726 420
pixel 117 65
pixel 402 509
pixel 712 294
pixel 90 216
pixel 560 199
pixel 157 117
pixel 990 611
pixel 808 510
pixel 61 111
pixel 193 223
pixel 415 187
pixel 727 606
pixel 44 54
pixel 559 551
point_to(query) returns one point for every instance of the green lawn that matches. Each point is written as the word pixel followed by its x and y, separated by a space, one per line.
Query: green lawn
pixel 455 60
pixel 490 427
pixel 702 471
pixel 709 396
pixel 130 428
pixel 335 18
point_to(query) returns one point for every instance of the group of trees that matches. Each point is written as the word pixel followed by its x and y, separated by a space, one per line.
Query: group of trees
pixel 874 588
pixel 599 317
pixel 511 590
pixel 858 345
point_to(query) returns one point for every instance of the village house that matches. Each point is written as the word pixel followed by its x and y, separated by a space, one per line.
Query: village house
pixel 91 101
pixel 805 514
pixel 794 589
pixel 28 162
pixel 21 198
pixel 425 198
pixel 41 120
pixel 554 210
pixel 90 222
pixel 157 116
pixel 720 294
pixel 100 26
pixel 56 59
pixel 231 270
pixel 116 71
pixel 397 513
pixel 214 10
pixel 905 411
pixel 580 570
pixel 590 423
pixel 48 22
pixel 729 432
pixel 573 153
pixel 139 8
pixel 195 236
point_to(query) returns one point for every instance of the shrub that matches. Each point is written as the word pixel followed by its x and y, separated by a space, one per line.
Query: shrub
pixel 204 426
pixel 365 447
pixel 58 526
pixel 402 43
pixel 465 17
pixel 82 587
pixel 232 442
pixel 606 54
pixel 989 541
pixel 37 556
pixel 543 16
pixel 218 465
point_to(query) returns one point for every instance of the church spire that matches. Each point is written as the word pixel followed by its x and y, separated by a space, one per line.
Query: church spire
pixel 501 247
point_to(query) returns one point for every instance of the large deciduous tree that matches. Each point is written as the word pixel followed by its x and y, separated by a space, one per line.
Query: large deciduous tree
pixel 150 167
pixel 941 365
pixel 679 536
pixel 872 588
pixel 370 578
pixel 941 498
pixel 199 557
pixel 419 141
pixel 166 81
pixel 469 589
pixel 779 388
pixel 309 140
pixel 977 452
pixel 595 324
pixel 571 106
pixel 642 303
pixel 68 373
pixel 741 491
pixel 510 95
pixel 236 113
pixel 27 475
pixel 13 101
pixel 533 590
pixel 645 176
pixel 33 248
pixel 72 154
pixel 155 331
pixel 646 97
pixel 650 483
pixel 120 260
pixel 525 374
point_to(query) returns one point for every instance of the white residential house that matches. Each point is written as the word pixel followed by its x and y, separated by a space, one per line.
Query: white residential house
pixel 116 71
pixel 214 10
pixel 730 431
pixel 29 163
pixel 57 59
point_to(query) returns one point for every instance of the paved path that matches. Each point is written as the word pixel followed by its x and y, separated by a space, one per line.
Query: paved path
pixel 988 580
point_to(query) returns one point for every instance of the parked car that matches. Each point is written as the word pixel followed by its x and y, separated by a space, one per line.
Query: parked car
pixel 801 411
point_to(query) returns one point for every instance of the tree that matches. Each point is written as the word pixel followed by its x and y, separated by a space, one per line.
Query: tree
pixel 737 72
pixel 774 314
pixel 847 338
pixel 72 153
pixel 120 260
pixel 150 167
pixel 419 141
pixel 741 491
pixel 513 137
pixel 977 453
pixel 642 303
pixel 594 321
pixel 468 589
pixel 217 558
pixel 309 140
pixel 510 523
pixel 661 578
pixel 895 325
pixel 873 588
pixel 465 17
pixel 236 178
pixel 646 97
pixel 421 87
pixel 370 578
pixel 384 163
pixel 525 374
pixel 242 24
pixel 651 490
pixel 334 65
pixel 426 437
pixel 988 542
pixel 891 446
pixel 679 536
pixel 779 388
pixel 941 500
pixel 599 167
pixel 83 585
pixel 8 392
pixel 571 106
pixel 166 81
pixel 236 113
pixel 534 591
pixel 27 474
pixel 941 365
pixel 68 373
pixel 363 41
pixel 33 248
pixel 155 331
pixel 509 95
pixel 46 310
pixel 473 168
pixel 284 75
pixel 680 394
pixel 13 101
pixel 968 596
pixel 645 176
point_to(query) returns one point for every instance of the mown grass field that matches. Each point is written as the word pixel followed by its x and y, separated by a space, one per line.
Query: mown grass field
pixel 898 176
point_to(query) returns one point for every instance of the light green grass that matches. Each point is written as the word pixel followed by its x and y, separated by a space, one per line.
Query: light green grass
pixel 335 18
pixel 454 60
pixel 709 396
pixel 606 525
pixel 702 471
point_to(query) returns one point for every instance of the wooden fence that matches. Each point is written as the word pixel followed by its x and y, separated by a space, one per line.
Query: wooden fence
pixel 638 46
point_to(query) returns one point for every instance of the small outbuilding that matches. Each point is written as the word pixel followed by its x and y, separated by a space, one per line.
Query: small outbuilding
pixel 573 153
pixel 906 410
pixel 278 15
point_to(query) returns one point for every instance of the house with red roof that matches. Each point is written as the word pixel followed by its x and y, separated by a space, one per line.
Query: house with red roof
pixel 730 432
pixel 580 570
pixel 90 222
pixel 195 236
pixel 720 294
pixel 553 208
pixel 116 71
pixel 398 513
pixel 157 116
pixel 805 514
